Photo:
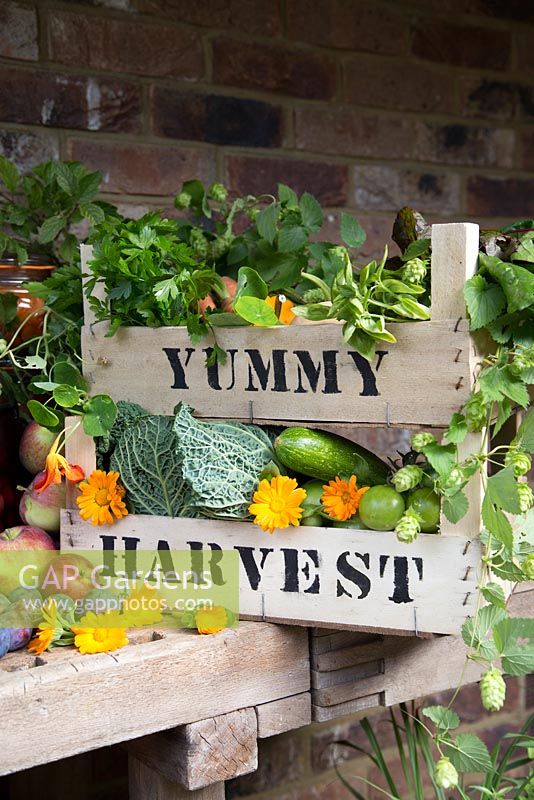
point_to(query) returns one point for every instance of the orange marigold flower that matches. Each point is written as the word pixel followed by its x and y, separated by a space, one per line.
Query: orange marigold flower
pixel 42 640
pixel 211 620
pixel 57 465
pixel 341 498
pixel 277 503
pixel 101 497
pixel 282 308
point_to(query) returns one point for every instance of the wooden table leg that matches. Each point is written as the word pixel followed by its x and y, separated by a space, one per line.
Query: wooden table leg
pixel 146 783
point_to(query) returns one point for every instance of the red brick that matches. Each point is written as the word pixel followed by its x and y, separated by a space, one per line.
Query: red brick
pixel 343 131
pixel 254 16
pixel 124 46
pixel 281 759
pixel 142 168
pixel 525 51
pixel 389 188
pixel 529 691
pixel 347 24
pixel 461 45
pixel 465 144
pixel 271 68
pixel 19 31
pixel 326 181
pixel 482 97
pixel 325 753
pixel 331 789
pixel 500 197
pixel 371 81
pixel 27 149
pixel 215 118
pixel 68 101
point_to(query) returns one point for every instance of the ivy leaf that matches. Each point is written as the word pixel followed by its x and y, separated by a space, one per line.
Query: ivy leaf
pixel 9 174
pixel 443 718
pixel 441 457
pixel 468 753
pixel 457 430
pixel 494 594
pixel 266 222
pixel 291 238
pixel 525 434
pixel 485 301
pixel 42 415
pixel 311 213
pixel 352 232
pixel 50 228
pixel 455 507
pixel 256 311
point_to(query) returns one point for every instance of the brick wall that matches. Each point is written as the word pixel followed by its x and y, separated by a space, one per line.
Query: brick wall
pixel 370 104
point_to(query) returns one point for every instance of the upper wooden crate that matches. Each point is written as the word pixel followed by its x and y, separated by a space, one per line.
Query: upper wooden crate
pixel 303 372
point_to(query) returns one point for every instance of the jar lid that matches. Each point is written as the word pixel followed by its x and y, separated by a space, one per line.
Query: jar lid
pixel 34 260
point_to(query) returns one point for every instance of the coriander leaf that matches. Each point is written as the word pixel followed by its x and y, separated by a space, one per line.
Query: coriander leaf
pixel 352 232
pixel 484 301
pixel 311 213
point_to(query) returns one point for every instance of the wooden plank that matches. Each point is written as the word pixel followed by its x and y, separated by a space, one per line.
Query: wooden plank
pixel 204 752
pixel 326 713
pixel 336 640
pixel 283 715
pixel 147 784
pixel 79 449
pixel 143 689
pixel 353 674
pixel 264 377
pixel 346 577
pixel 454 260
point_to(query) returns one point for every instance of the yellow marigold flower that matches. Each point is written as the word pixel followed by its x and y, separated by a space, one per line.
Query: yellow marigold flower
pixel 42 640
pixel 341 498
pixel 143 606
pixel 99 638
pixel 276 503
pixel 101 498
pixel 211 620
pixel 282 308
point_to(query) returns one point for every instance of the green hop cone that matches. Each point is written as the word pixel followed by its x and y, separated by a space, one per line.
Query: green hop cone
pixel 252 214
pixel 526 497
pixel 475 412
pixel 314 296
pixel 407 478
pixel 492 689
pixel 218 247
pixel 218 192
pixel 519 461
pixel 198 242
pixel 182 200
pixel 408 527
pixel 421 440
pixel 528 570
pixel 414 271
pixel 445 774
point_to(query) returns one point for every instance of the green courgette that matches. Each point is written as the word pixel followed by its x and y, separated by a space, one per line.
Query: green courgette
pixel 324 455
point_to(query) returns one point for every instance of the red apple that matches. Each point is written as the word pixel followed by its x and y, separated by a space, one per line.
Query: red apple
pixel 70 574
pixel 34 446
pixel 43 508
pixel 13 542
pixel 25 537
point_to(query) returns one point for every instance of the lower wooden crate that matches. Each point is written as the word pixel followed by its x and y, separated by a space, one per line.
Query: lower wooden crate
pixel 325 577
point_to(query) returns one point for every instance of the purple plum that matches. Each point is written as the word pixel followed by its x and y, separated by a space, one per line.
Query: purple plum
pixel 5 639
pixel 18 637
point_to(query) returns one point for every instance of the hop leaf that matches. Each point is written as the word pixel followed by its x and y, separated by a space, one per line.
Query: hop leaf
pixel 408 527
pixel 519 461
pixel 445 774
pixel 528 568
pixel 421 440
pixel 526 497
pixel 407 478
pixel 492 689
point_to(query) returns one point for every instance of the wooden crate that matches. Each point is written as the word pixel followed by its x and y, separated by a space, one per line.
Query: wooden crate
pixel 304 372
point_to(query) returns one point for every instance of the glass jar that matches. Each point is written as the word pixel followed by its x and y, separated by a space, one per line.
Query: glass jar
pixel 12 279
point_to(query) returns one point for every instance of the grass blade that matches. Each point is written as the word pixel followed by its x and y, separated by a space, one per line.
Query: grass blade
pixel 377 750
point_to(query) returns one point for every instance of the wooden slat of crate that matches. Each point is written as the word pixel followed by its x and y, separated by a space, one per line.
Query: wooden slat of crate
pixel 74 703
pixel 436 566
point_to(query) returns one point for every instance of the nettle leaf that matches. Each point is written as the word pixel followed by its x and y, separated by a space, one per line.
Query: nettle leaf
pixel 455 507
pixel 441 457
pixel 494 594
pixel 291 238
pixel 352 232
pixel 457 430
pixel 287 196
pixel 485 301
pixel 50 228
pixel 9 174
pixel 514 640
pixel 311 213
pixel 266 222
pixel 525 434
pixel 256 311
pixel 443 718
pixel 468 753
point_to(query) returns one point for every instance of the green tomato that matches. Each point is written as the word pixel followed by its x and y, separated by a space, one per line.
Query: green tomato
pixel 426 505
pixel 429 476
pixel 353 522
pixel 381 508
pixel 317 520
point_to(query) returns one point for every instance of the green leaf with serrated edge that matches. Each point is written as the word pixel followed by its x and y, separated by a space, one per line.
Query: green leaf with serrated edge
pixel 266 222
pixel 476 630
pixel 496 522
pixel 256 311
pixel 50 228
pixel 485 301
pixel 291 238
pixel 9 174
pixel 42 415
pixel 455 507
pixel 287 196
pixel 66 396
pixel 514 387
pixel 311 213
pixel 441 457
pixel 514 640
pixel 504 412
pixel 525 249
pixel 494 594
pixel 468 753
pixel 417 249
pixel 457 430
pixel 516 282
pixel 507 570
pixel 250 284
pixel 502 490
pixel 490 382
pixel 525 434
pixel 352 232
pixel 443 718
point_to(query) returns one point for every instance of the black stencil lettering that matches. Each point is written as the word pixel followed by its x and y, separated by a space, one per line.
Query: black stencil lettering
pixel 163 557
pixel 380 354
pixel 364 368
pixel 108 553
pixel 401 590
pixel 330 372
pixel 249 563
pixel 130 554
pixel 311 370
pixel 231 353
pixel 316 585
pixel 418 561
pixel 383 561
pixel 291 572
pixel 212 371
pixel 173 354
pixel 216 558
pixel 263 370
pixel 353 575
